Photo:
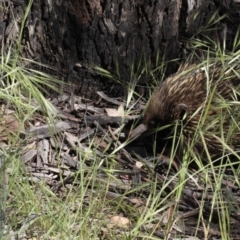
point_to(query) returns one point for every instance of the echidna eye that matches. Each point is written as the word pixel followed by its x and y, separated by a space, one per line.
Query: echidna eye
pixel 152 122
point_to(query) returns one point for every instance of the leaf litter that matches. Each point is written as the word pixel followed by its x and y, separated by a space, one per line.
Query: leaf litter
pixel 52 154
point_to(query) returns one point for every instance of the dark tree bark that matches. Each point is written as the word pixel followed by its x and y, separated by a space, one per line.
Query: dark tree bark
pixel 70 36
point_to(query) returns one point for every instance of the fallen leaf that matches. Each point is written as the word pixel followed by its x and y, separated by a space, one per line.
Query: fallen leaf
pixel 112 112
pixel 9 125
pixel 100 143
pixel 119 221
pixel 139 164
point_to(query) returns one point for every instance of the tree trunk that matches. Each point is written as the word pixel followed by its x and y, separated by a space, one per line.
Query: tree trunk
pixel 71 36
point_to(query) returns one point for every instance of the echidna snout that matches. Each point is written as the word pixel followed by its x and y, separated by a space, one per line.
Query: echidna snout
pixel 138 131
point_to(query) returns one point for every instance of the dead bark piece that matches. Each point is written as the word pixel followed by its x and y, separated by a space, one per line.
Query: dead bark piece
pixel 68 116
pixel 55 143
pixel 29 155
pixel 43 150
pixel 62 172
pixel 41 175
pixel 87 134
pixel 104 120
pixel 72 140
pixel 69 161
pixel 46 131
pixel 85 107
pixel 111 100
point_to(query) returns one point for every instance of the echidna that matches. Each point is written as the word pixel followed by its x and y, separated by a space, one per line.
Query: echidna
pixel 205 101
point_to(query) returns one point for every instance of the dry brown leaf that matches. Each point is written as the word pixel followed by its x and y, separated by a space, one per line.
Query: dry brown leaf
pixel 100 143
pixel 137 201
pixel 119 221
pixel 139 164
pixel 112 112
pixel 9 125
